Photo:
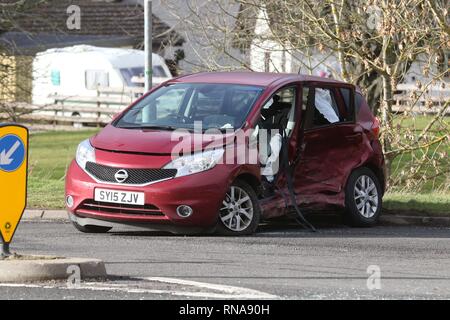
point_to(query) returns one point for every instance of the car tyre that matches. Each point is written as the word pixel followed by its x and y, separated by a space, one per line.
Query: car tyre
pixel 240 212
pixel 90 228
pixel 363 198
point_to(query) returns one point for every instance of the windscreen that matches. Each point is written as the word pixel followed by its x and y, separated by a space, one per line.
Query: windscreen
pixel 221 106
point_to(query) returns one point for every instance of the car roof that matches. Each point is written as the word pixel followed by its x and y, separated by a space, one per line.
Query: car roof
pixel 249 78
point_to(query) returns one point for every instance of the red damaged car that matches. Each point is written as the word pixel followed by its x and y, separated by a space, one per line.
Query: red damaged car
pixel 180 158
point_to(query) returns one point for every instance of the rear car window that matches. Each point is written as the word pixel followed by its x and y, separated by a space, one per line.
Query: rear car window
pixel 325 108
pixel 332 105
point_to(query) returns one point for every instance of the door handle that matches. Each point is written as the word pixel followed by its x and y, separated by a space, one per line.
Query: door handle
pixel 303 146
pixel 354 137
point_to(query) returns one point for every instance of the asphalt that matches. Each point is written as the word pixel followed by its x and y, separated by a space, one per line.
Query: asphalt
pixel 281 261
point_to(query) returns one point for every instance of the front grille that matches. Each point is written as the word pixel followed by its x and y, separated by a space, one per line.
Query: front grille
pixel 145 210
pixel 135 176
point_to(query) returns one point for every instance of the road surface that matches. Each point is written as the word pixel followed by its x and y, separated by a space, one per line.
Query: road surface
pixel 282 261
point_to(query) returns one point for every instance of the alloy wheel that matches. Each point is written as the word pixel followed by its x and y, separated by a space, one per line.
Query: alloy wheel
pixel 236 213
pixel 366 196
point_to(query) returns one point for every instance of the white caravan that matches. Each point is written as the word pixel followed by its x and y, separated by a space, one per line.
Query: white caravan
pixel 80 70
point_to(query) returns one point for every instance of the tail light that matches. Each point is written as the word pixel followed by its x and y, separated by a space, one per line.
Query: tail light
pixel 376 128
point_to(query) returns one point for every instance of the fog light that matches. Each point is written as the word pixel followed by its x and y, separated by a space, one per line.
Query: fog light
pixel 184 211
pixel 69 201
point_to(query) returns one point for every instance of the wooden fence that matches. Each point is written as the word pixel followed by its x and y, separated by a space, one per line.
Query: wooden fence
pixel 73 111
pixel 408 97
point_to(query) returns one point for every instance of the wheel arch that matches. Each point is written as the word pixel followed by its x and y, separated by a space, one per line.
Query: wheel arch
pixel 378 172
pixel 252 180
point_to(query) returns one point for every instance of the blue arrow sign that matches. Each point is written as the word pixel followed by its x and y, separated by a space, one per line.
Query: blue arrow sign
pixel 12 152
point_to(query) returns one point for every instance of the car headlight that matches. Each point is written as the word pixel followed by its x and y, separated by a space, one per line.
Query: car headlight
pixel 85 153
pixel 197 162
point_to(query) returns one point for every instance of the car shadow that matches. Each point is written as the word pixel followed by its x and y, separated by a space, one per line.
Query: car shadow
pixel 327 226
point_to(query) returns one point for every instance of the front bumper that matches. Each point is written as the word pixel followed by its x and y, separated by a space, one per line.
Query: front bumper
pixel 203 192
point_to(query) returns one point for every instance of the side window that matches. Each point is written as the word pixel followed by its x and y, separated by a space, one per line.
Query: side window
pixel 284 97
pixel 132 75
pixel 55 76
pixel 95 78
pixel 328 106
pixel 158 71
pixel 279 111
pixel 288 96
pixel 325 108
pixel 346 96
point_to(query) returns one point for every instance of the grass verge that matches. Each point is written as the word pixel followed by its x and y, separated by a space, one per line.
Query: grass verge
pixel 430 203
pixel 50 155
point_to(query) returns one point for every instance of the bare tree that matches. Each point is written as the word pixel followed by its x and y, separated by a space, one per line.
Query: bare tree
pixel 15 71
pixel 375 44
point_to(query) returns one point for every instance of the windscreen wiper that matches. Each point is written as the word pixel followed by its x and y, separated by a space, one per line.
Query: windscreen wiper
pixel 171 128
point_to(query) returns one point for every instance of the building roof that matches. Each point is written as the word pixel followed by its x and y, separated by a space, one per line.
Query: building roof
pixel 118 20
pixel 19 43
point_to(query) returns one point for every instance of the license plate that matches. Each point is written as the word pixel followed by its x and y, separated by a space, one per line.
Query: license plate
pixel 123 197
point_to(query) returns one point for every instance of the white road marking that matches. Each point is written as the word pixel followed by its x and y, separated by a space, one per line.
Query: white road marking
pixel 225 289
pixel 213 291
